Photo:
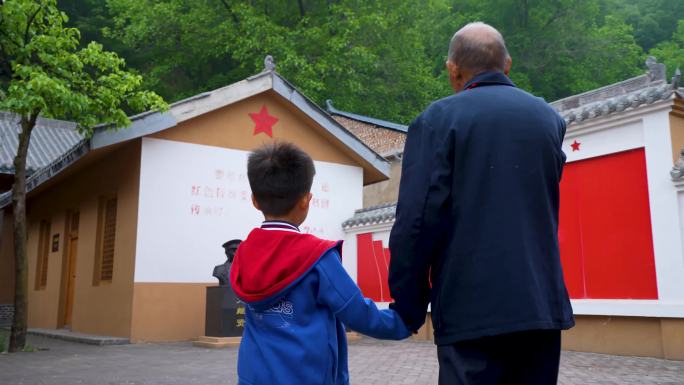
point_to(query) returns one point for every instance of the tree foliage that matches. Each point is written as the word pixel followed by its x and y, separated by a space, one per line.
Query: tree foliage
pixel 44 71
pixel 654 21
pixel 352 52
pixel 560 48
pixel 383 58
pixel 671 52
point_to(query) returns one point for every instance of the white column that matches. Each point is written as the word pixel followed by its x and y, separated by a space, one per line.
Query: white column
pixel 349 254
pixel 666 210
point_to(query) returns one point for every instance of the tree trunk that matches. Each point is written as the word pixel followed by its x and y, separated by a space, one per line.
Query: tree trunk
pixel 302 10
pixel 18 334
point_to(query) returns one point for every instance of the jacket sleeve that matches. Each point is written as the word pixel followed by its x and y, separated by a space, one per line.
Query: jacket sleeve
pixel 561 133
pixel 340 294
pixel 424 192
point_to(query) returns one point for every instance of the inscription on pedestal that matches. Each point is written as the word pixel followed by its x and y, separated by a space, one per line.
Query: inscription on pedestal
pixel 225 314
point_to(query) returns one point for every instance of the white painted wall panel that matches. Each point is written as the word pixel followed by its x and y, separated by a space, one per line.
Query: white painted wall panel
pixel 193 198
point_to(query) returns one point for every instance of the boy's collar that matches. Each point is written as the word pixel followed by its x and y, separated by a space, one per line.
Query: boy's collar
pixel 279 225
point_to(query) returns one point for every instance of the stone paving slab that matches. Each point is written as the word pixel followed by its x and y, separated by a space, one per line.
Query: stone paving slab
pixel 371 362
pixel 68 335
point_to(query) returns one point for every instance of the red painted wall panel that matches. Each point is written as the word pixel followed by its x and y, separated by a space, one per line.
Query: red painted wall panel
pixel 367 274
pixel 372 268
pixel 383 266
pixel 569 234
pixel 605 228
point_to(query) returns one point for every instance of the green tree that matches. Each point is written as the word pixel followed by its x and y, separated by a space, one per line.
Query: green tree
pixel 43 72
pixel 383 58
pixel 370 57
pixel 654 21
pixel 671 52
pixel 563 47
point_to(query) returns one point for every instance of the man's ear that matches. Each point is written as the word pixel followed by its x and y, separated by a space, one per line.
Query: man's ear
pixel 452 69
pixel 507 66
pixel 455 75
pixel 255 203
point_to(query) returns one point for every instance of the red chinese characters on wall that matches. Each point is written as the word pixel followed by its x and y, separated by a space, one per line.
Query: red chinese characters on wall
pixel 372 268
pixel 605 228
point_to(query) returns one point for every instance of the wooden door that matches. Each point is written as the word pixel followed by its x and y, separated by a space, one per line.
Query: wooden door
pixel 72 244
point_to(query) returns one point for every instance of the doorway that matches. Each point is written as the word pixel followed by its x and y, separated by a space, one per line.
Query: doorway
pixel 71 253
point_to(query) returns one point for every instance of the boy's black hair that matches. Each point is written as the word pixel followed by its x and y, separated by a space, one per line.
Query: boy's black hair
pixel 279 174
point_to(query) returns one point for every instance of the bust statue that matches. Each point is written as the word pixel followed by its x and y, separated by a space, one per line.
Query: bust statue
pixel 222 272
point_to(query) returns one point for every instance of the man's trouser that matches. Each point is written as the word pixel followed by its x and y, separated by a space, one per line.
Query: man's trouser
pixel 523 358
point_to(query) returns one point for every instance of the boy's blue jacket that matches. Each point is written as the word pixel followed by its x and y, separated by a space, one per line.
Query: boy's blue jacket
pixel 298 296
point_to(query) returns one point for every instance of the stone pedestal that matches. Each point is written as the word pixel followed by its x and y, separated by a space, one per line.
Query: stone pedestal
pixel 225 314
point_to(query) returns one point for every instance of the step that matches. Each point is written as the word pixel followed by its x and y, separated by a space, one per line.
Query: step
pixel 216 342
pixel 83 338
pixel 353 336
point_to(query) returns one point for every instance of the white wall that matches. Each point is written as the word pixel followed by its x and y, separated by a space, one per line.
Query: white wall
pixel 193 198
pixel 647 127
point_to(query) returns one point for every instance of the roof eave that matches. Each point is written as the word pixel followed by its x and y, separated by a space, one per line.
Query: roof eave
pixel 145 125
pixel 46 173
pixel 646 99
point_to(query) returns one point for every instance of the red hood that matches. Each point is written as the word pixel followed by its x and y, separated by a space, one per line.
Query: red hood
pixel 269 260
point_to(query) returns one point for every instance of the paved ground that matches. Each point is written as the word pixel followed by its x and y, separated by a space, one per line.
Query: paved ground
pixel 371 362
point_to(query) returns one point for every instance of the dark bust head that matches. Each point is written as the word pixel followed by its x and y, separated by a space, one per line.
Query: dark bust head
pixel 230 248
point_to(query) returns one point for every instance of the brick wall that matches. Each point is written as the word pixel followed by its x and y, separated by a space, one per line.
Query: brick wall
pixel 6 314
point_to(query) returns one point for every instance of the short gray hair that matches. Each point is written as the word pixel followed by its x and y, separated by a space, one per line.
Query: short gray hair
pixel 478 47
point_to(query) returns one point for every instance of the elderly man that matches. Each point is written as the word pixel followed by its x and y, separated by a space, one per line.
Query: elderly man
pixel 477 221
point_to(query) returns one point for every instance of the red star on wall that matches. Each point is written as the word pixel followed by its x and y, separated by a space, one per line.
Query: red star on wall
pixel 575 146
pixel 263 122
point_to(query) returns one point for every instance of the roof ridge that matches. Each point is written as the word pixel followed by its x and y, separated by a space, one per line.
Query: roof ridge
pixel 366 119
pixel 373 215
pixel 618 103
pixel 375 207
pixel 654 76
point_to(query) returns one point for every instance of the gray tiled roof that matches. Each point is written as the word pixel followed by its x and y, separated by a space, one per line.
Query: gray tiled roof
pixel 373 215
pixel 628 94
pixel 632 100
pixel 50 139
pixel 366 119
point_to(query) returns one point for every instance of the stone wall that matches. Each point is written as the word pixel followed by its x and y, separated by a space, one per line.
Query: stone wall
pixel 386 191
pixel 6 314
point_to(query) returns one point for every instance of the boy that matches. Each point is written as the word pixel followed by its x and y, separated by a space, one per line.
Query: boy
pixel 297 293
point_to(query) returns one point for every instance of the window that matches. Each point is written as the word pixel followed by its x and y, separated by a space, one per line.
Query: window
pixel 43 252
pixel 104 266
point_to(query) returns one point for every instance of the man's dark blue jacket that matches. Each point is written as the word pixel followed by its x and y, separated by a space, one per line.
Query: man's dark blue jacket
pixel 477 218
